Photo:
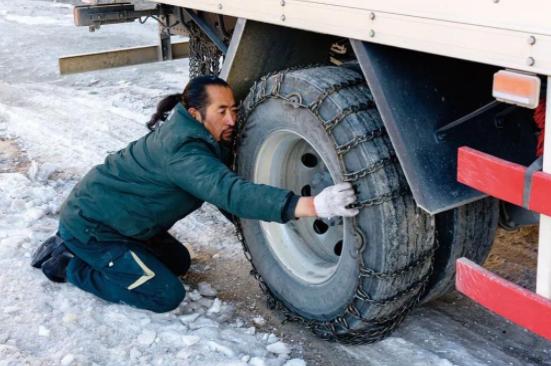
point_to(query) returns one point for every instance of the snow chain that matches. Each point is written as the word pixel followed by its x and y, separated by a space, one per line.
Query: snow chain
pixel 338 329
pixel 204 56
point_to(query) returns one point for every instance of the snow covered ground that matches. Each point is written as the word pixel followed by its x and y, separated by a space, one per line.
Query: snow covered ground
pixel 53 129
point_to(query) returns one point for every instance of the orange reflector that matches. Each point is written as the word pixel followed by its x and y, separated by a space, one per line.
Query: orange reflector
pixel 517 88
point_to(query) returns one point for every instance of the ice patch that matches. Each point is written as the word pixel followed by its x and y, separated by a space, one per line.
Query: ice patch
pixel 203 323
pixel 69 318
pixel 67 360
pixel 190 340
pixel 278 348
pixel 206 290
pixel 295 362
pixel 216 347
pixel 215 307
pixel 259 320
pixel 40 173
pixel 189 318
pixel 171 338
pixel 11 309
pixel 146 337
pixel 194 295
pixel 43 331
pixel 256 361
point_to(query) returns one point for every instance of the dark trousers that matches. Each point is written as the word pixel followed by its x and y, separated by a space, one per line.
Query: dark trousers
pixel 141 274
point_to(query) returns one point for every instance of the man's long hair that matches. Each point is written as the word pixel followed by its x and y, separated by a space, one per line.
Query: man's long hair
pixel 194 96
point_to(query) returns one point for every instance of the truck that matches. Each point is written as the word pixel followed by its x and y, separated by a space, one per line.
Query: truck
pixel 433 110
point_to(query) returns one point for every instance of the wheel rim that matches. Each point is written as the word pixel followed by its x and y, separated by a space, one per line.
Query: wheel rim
pixel 308 248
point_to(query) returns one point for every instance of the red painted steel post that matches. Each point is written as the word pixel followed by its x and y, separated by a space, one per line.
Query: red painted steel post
pixel 513 302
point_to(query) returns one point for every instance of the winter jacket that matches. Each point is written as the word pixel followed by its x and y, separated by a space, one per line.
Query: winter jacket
pixel 160 178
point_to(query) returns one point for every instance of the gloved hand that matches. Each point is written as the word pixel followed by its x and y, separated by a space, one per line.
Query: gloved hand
pixel 332 201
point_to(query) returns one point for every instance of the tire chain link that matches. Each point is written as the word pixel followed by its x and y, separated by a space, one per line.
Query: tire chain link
pixel 332 330
pixel 371 135
pixel 204 56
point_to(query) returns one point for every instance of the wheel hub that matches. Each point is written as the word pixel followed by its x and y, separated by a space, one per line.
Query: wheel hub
pixel 309 248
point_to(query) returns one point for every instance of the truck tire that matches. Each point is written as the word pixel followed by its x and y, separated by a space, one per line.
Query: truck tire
pixel 467 231
pixel 350 280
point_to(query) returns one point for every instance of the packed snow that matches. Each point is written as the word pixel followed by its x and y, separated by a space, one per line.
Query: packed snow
pixel 43 321
pixel 52 130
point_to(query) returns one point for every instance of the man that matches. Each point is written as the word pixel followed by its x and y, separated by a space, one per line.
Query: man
pixel 112 239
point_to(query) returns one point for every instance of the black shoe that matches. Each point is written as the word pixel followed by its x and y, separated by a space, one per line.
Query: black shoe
pixel 54 268
pixel 44 251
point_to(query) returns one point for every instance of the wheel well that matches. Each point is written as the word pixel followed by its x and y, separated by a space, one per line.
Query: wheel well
pixel 257 49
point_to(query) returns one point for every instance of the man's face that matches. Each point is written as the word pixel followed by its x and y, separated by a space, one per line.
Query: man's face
pixel 221 113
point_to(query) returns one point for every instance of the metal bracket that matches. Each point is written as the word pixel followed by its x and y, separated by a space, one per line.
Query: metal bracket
pixel 94 16
pixel 165 48
pixel 442 132
pixel 205 28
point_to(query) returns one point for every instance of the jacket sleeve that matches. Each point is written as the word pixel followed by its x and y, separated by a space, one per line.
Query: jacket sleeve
pixel 198 171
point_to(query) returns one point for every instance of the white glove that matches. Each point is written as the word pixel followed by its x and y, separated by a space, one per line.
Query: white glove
pixel 332 201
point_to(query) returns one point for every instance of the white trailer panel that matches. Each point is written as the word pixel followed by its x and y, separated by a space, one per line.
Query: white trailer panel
pixel 510 34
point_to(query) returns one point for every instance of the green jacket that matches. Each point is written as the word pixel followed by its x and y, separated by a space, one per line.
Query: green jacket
pixel 155 181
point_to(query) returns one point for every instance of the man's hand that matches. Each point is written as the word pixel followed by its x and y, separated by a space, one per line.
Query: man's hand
pixel 332 201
